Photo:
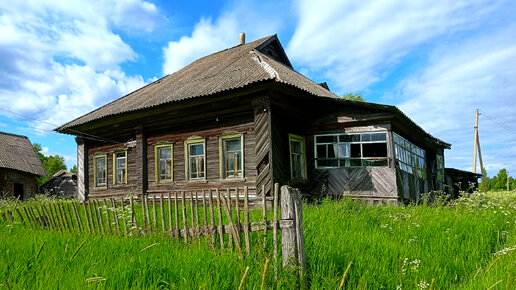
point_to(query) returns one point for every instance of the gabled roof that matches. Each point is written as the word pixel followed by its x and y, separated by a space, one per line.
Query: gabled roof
pixel 16 152
pixel 229 69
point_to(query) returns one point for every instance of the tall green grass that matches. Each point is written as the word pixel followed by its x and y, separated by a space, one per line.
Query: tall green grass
pixel 467 244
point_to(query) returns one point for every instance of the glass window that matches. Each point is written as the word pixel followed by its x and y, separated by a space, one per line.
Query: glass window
pixel 341 150
pixel 120 167
pixel 298 158
pixel 195 161
pixel 163 168
pixel 100 170
pixel 410 157
pixel 232 157
pixel 440 167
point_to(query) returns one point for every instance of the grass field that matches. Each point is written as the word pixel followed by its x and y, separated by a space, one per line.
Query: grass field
pixel 468 244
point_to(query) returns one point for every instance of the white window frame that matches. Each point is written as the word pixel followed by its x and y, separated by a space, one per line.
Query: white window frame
pixel 116 169
pixel 95 173
pixel 222 155
pixel 194 141
pixel 344 159
pixel 157 163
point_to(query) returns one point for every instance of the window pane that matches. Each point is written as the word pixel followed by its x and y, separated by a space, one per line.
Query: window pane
pixel 355 162
pixel 196 149
pixel 164 153
pixel 295 146
pixel 349 138
pixel 355 150
pixel 369 162
pixel 321 151
pixel 233 145
pixel 332 150
pixel 374 150
pixel 378 137
pixel 343 150
pixel 326 139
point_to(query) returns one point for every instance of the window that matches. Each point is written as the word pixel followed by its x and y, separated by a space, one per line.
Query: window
pixel 231 156
pixel 346 150
pixel 440 167
pixel 99 171
pixel 120 167
pixel 163 163
pixel 297 157
pixel 195 159
pixel 410 157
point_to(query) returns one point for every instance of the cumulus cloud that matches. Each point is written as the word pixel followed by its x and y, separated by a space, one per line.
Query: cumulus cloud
pixel 354 44
pixel 476 74
pixel 208 36
pixel 62 59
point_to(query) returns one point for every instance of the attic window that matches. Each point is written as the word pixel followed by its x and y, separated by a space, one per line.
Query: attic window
pixel 350 150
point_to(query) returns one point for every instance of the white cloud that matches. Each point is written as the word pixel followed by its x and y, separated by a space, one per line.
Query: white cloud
pixel 354 44
pixel 61 59
pixel 477 73
pixel 208 36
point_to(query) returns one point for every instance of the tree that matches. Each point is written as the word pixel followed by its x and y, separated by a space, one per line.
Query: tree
pixel 499 181
pixel 354 97
pixel 73 169
pixel 52 163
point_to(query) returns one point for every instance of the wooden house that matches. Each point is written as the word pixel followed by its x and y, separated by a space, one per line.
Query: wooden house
pixel 62 184
pixel 244 117
pixel 19 167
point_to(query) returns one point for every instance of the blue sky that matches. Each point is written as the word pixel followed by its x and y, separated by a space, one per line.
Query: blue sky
pixel 438 61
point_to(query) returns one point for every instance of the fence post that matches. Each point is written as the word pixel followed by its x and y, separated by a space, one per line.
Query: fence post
pixel 292 238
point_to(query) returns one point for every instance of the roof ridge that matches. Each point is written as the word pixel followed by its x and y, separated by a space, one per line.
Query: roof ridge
pixel 15 135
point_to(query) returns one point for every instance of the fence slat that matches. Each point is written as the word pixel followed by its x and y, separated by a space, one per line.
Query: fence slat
pixel 63 218
pixel 192 215
pixel 154 213
pixel 237 208
pixel 275 231
pixel 116 217
pixel 100 220
pixel 144 223
pixel 264 207
pixel 67 206
pixel 77 218
pixel 124 216
pixel 212 219
pixel 227 202
pixel 108 214
pixel 170 215
pixel 221 225
pixel 86 216
pixel 162 211
pixel 230 236
pixel 134 221
pixel 185 222
pixel 149 223
pixel 197 225
pixel 246 221
pixel 176 215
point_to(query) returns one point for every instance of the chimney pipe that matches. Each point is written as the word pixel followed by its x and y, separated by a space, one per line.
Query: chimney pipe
pixel 242 38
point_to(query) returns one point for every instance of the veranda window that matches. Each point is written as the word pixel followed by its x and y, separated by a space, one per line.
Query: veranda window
pixel 410 157
pixel 346 150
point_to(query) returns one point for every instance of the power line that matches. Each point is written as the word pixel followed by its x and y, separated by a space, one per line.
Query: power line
pixel 500 123
pixel 85 135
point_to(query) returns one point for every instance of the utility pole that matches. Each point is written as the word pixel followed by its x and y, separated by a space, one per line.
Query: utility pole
pixel 481 163
pixel 507 172
pixel 475 137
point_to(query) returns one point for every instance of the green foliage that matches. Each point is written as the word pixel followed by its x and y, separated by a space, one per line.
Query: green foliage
pixel 73 169
pixel 354 97
pixel 499 182
pixel 469 243
pixel 52 163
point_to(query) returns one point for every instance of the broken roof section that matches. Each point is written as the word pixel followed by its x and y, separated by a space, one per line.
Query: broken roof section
pixel 233 68
pixel 16 152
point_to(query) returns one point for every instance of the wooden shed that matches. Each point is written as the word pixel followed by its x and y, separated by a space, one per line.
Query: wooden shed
pixel 244 117
pixel 19 167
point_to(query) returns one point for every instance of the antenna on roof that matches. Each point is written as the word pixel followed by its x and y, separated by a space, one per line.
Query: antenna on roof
pixel 241 38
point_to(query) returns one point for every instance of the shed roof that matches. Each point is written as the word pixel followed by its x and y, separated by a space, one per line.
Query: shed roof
pixel 16 152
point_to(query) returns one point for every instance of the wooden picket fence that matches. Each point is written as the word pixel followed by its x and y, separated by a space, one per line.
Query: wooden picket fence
pixel 223 216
